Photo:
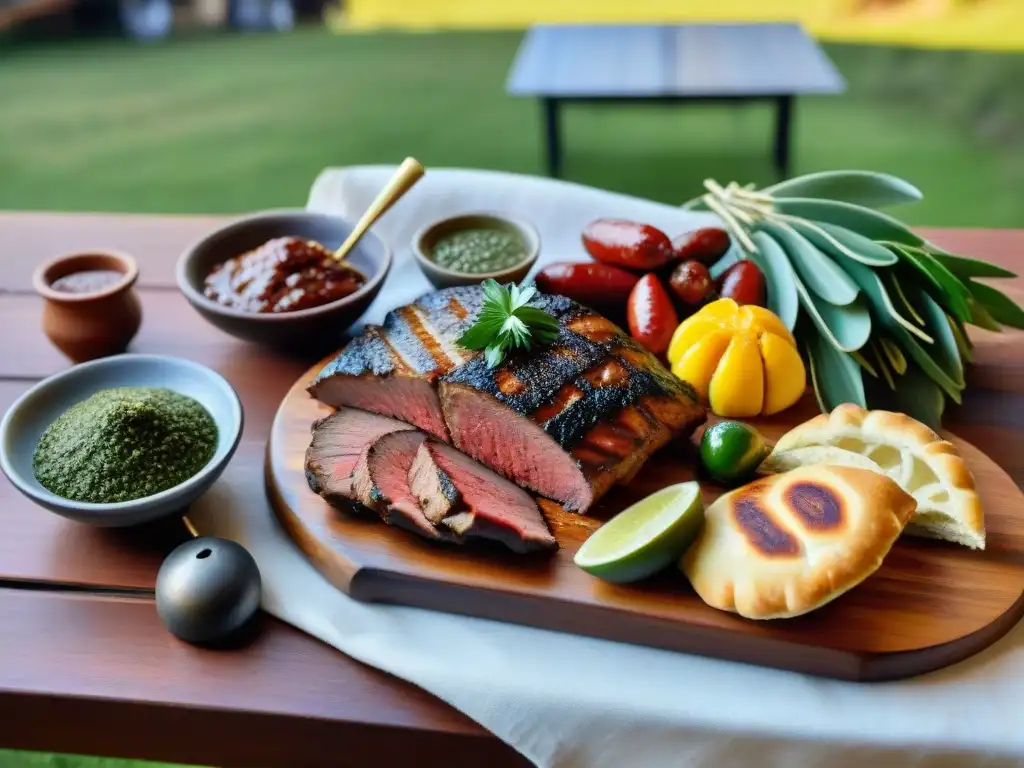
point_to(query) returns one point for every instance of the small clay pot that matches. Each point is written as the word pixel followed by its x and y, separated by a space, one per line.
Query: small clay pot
pixel 96 322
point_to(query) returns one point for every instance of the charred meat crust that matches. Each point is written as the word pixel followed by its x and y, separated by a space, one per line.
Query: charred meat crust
pixel 415 340
pixel 467 524
pixel 601 397
pixel 368 353
pixel 398 520
pixel 575 361
pixel 419 339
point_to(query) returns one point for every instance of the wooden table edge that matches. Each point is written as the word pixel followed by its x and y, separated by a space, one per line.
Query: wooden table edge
pixel 147 730
pixel 48 709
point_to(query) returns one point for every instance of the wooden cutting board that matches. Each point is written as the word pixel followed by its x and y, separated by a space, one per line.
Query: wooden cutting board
pixel 930 605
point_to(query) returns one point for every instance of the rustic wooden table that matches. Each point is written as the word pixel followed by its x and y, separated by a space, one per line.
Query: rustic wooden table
pixel 87 667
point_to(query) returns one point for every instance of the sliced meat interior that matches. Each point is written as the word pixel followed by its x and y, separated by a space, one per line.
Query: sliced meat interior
pixel 433 488
pixel 500 438
pixel 409 398
pixel 381 481
pixel 338 442
pixel 477 502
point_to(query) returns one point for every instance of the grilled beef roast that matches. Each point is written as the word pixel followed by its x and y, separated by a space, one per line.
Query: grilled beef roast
pixel 338 442
pixel 463 496
pixel 568 420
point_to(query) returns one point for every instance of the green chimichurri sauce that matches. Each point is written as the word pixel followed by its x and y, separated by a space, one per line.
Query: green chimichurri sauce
pixel 123 444
pixel 477 251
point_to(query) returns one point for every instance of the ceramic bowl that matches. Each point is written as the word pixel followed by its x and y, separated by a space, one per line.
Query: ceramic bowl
pixel 322 326
pixel 26 420
pixel 441 277
pixel 97 323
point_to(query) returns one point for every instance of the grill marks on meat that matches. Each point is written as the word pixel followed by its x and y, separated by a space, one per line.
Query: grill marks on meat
pixel 338 442
pixel 567 420
pixel 467 498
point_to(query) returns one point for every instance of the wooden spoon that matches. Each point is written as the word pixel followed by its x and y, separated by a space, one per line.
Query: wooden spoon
pixel 408 173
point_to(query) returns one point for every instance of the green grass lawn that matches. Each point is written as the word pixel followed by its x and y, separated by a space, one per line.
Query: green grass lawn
pixel 11 759
pixel 234 123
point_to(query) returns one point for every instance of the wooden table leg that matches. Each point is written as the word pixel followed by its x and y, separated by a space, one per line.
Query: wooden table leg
pixel 783 119
pixel 552 134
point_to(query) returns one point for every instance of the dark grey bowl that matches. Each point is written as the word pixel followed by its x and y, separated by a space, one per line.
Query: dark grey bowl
pixel 26 420
pixel 305 328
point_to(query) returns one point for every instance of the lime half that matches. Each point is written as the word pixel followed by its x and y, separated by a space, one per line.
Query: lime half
pixel 646 537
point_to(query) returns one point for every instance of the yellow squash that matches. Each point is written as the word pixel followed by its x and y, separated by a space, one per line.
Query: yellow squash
pixel 742 359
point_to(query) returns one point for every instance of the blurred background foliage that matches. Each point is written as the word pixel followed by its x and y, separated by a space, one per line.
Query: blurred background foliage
pixel 216 122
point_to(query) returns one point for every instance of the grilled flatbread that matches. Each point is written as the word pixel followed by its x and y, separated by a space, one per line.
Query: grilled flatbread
pixel 927 467
pixel 787 544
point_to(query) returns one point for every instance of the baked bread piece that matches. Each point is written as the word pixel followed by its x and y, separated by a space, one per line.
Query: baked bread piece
pixel 787 544
pixel 927 467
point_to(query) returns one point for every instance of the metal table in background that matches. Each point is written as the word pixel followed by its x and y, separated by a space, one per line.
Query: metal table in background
pixel 737 63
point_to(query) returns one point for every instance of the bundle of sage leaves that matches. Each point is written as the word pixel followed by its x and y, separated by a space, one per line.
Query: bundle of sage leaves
pixel 862 293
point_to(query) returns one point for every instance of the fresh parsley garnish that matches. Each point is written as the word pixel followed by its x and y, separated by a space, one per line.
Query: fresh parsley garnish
pixel 506 321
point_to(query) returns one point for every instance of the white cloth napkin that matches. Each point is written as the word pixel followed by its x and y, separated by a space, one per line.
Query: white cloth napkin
pixel 567 701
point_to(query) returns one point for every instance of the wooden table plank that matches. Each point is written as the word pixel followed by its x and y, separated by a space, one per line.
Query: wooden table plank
pixel 101 675
pixel 686 61
pixel 169 327
pixel 30 238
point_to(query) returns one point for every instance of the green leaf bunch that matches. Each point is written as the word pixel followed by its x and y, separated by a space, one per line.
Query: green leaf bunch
pixel 507 321
pixel 862 293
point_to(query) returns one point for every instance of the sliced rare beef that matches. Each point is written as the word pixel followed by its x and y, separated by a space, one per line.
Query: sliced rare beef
pixel 338 442
pixel 568 419
pixel 433 488
pixel 380 480
pixel 465 497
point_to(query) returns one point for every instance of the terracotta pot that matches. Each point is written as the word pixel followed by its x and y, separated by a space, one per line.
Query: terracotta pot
pixel 96 322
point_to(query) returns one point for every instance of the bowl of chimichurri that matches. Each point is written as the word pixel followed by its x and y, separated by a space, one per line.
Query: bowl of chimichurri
pixel 121 440
pixel 471 247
